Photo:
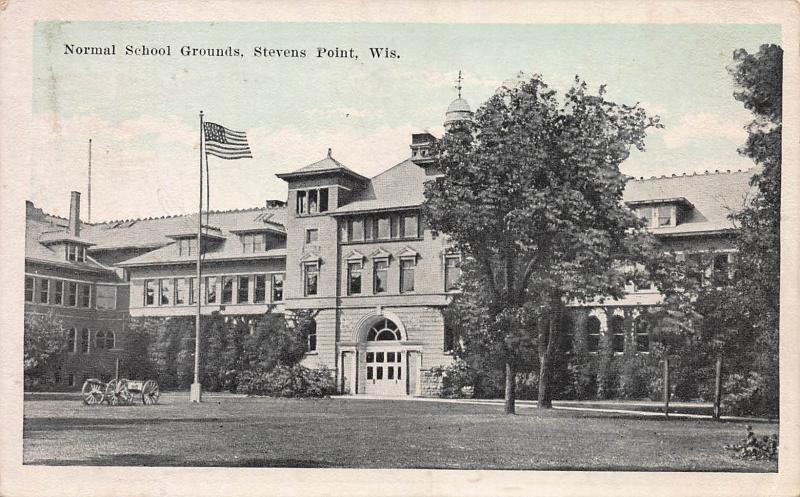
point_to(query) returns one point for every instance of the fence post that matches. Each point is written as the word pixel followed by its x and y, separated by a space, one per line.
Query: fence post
pixel 666 387
pixel 718 388
pixel 116 369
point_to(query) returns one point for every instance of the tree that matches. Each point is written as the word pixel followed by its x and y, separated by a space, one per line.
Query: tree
pixel 531 194
pixel 45 345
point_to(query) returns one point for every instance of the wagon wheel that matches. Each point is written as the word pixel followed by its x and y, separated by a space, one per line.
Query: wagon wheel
pixel 92 392
pixel 117 393
pixel 150 393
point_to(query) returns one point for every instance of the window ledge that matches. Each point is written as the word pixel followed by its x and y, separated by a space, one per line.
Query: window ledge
pixel 312 353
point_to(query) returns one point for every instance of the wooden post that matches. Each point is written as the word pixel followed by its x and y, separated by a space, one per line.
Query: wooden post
pixel 718 388
pixel 666 387
pixel 116 369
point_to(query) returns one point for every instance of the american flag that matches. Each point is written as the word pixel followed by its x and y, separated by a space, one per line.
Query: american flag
pixel 226 143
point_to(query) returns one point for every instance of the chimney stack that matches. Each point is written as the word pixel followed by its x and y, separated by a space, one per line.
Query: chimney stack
pixel 75 214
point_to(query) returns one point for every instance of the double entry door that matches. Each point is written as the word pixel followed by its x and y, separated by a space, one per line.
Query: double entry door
pixel 385 371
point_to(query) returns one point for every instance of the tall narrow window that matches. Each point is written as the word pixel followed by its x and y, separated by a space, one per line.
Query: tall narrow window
pixel 211 290
pixel 259 242
pixel 592 334
pixel 58 292
pixel 243 291
pixel 646 213
pixel 85 340
pixel 72 339
pixel 302 207
pixel 44 291
pixel 277 288
pixel 410 228
pixel 618 334
pixel 166 291
pixel 28 289
pixel 247 242
pixel 356 229
pixel 642 335
pixel 313 202
pixel 311 278
pixel 72 294
pixel 384 227
pixel 665 215
pixel 311 336
pixel 181 291
pixel 370 229
pixel 149 292
pixel 452 272
pixel 721 268
pixel 227 289
pixel 407 267
pixel 72 252
pixel 193 291
pixel 381 279
pixel 100 340
pixel 323 200
pixel 260 288
pixel 353 278
pixel 86 295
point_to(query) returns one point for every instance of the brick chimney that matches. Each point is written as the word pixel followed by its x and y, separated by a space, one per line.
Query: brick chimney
pixel 75 214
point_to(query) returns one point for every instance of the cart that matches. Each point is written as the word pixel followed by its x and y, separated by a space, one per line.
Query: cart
pixel 119 392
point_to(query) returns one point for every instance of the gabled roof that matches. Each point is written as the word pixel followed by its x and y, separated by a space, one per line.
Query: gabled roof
pixel 714 197
pixel 328 165
pixel 35 251
pixel 398 187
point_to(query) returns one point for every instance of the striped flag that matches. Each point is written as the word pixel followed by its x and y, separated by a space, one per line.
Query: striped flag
pixel 225 143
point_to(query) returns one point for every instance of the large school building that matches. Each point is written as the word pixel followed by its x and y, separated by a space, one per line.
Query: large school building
pixel 354 249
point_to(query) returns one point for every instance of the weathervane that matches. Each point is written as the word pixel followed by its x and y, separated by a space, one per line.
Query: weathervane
pixel 458 83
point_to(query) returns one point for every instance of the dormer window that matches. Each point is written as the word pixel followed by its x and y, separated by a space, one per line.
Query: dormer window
pixel 662 213
pixel 76 253
pixel 312 201
pixel 187 246
pixel 253 242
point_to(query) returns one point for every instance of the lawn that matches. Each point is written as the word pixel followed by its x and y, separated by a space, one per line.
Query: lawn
pixel 234 431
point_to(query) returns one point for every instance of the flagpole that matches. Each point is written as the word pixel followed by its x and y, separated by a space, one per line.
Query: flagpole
pixel 195 393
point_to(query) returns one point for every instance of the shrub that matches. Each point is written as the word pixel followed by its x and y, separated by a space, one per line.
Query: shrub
pixel 527 386
pixel 287 381
pixel 756 448
pixel 748 395
pixel 634 379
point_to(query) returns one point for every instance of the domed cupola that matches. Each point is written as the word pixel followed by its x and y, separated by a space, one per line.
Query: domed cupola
pixel 458 111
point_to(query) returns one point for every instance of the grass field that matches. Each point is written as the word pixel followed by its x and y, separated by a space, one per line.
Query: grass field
pixel 230 431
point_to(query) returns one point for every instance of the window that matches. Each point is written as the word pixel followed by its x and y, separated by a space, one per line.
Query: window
pixel 384 227
pixel 44 291
pixel 181 290
pixel 104 340
pixel 58 294
pixel 452 272
pixel 381 278
pixel 618 334
pixel 72 338
pixel 323 200
pixel 664 215
pixel 311 278
pixel 254 242
pixel 227 289
pixel 72 252
pixel 260 288
pixel 149 292
pixel 593 334
pixel 106 297
pixel 695 267
pixel 166 291
pixel 356 230
pixel 28 289
pixel 302 206
pixel 721 268
pixel 640 329
pixel 277 287
pixel 409 226
pixel 243 290
pixel 313 204
pixel 383 330
pixel 72 294
pixel 312 235
pixel 85 340
pixel 353 278
pixel 646 213
pixel 311 336
pixel 312 201
pixel 187 246
pixel 211 289
pixel 407 275
pixel 86 295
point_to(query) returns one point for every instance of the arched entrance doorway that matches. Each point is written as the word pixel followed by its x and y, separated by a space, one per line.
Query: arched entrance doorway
pixel 384 359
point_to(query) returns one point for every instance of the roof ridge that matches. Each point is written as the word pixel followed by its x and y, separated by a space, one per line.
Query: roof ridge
pixel 392 167
pixel 716 172
pixel 172 216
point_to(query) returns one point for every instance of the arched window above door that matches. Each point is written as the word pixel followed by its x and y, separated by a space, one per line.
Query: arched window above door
pixel 383 330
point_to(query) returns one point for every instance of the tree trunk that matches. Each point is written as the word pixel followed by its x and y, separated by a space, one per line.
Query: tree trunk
pixel 511 388
pixel 548 337
pixel 544 399
pixel 666 387
pixel 718 388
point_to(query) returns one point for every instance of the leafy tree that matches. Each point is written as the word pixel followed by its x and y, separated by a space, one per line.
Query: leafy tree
pixel 45 344
pixel 531 193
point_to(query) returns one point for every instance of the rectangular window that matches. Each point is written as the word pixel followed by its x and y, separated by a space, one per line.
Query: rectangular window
pixel 369 229
pixel 259 242
pixel 311 278
pixel 409 228
pixel 312 235
pixel 253 242
pixel 211 289
pixel 193 291
pixel 356 229
pixel 72 294
pixel 28 289
pixel 313 203
pixel 260 288
pixel 646 213
pixel 452 272
pixel 721 268
pixel 82 254
pixel 227 289
pixel 353 278
pixel 187 246
pixel 407 267
pixel 243 291
pixel 381 276
pixel 58 294
pixel 665 215
pixel 181 289
pixel 247 243
pixel 71 335
pixel 44 291
pixel 302 207
pixel 150 292
pixel 311 343
pixel 323 200
pixel 395 228
pixel 106 297
pixel 86 295
pixel 85 340
pixel 166 291
pixel 72 252
pixel 384 227
pixel 277 288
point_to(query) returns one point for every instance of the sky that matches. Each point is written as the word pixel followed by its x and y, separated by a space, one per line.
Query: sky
pixel 142 112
